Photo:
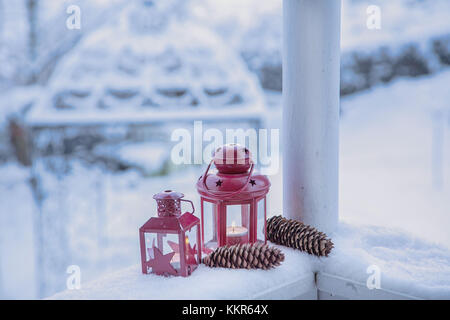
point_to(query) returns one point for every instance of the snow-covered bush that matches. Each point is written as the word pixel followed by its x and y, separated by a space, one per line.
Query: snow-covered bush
pixel 405 46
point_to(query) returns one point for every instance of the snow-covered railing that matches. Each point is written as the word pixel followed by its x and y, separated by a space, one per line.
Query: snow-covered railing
pixel 332 287
pixel 400 259
pixel 38 119
pixel 294 279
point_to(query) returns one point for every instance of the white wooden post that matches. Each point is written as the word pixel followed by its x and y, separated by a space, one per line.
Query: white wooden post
pixel 311 76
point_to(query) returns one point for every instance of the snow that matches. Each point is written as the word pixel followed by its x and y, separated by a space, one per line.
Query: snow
pixel 399 20
pixel 39 117
pixel 16 101
pixel 386 157
pixel 17 210
pixel 402 19
pixel 204 283
pixel 151 157
pixel 53 37
pixel 390 153
pixel 412 40
pixel 408 265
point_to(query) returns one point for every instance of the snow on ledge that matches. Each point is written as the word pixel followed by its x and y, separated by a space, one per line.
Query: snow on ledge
pixel 409 266
pixel 204 283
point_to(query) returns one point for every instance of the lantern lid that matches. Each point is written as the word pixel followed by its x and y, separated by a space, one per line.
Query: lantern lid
pixel 171 224
pixel 168 195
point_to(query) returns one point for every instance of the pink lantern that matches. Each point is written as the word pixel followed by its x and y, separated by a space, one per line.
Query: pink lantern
pixel 233 200
pixel 170 243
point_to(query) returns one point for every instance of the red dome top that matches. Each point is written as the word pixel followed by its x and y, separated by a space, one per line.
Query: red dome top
pixel 232 158
pixel 233 180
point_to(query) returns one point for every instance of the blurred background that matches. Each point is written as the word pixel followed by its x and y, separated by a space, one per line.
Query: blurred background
pixel 86 116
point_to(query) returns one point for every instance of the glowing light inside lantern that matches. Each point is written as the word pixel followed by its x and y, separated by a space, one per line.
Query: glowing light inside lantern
pixel 236 234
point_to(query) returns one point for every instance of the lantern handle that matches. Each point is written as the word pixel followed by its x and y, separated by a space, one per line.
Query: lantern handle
pixel 227 193
pixel 193 209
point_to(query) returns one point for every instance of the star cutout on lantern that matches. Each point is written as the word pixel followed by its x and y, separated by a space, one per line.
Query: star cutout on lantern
pixel 252 182
pixel 190 251
pixel 219 183
pixel 161 263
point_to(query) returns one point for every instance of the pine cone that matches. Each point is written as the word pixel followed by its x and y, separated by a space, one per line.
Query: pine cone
pixel 245 256
pixel 294 234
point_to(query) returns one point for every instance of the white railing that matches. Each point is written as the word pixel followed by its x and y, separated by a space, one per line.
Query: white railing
pixel 311 69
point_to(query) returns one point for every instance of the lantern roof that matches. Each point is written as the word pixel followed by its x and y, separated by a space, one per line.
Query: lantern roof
pixel 171 224
pixel 168 195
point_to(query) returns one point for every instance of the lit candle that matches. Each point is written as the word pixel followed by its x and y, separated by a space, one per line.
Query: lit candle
pixel 236 234
pixel 176 257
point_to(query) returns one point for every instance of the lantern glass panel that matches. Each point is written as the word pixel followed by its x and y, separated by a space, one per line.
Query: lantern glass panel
pixel 192 246
pixel 210 224
pixel 238 222
pixel 261 219
pixel 150 241
pixel 166 243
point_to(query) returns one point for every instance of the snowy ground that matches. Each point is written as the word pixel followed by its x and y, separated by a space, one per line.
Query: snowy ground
pixel 407 264
pixel 395 158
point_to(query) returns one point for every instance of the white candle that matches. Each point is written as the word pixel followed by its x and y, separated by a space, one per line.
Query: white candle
pixel 236 234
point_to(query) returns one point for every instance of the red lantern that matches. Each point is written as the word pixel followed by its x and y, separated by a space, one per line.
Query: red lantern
pixel 170 243
pixel 233 200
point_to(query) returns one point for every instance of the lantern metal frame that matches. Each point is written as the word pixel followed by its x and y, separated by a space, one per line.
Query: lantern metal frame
pixel 171 223
pixel 220 215
pixel 234 184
